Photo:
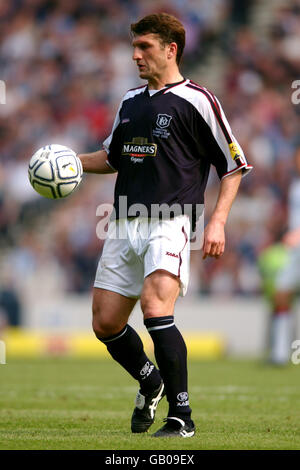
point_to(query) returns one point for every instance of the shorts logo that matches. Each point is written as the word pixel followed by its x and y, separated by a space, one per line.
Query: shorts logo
pixel 163 120
pixel 172 254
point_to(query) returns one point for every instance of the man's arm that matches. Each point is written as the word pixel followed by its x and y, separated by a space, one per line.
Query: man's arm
pixel 214 233
pixel 95 162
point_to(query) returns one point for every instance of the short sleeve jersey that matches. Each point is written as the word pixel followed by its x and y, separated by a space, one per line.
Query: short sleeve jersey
pixel 163 145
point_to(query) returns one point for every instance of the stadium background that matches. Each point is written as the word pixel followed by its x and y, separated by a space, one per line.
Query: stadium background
pixel 66 66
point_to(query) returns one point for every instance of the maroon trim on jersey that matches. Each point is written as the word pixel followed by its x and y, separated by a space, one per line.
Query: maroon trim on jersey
pixel 174 85
pixel 244 166
pixel 166 88
pixel 210 93
pixel 216 110
pixel 180 259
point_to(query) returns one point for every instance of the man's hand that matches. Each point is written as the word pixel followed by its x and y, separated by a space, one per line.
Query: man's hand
pixel 214 239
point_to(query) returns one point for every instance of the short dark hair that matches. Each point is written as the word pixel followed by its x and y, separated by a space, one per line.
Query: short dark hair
pixel 167 27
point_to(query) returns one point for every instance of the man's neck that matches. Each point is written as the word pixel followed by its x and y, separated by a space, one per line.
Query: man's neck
pixel 157 83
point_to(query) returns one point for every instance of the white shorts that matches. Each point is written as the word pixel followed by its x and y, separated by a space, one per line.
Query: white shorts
pixel 137 247
pixel 288 278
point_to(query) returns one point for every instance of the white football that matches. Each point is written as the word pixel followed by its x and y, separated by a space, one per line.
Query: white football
pixel 55 171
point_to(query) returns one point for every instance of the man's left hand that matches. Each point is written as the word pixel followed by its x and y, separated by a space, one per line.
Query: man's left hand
pixel 214 240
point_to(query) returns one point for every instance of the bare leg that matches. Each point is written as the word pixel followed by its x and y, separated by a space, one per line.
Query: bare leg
pixel 159 294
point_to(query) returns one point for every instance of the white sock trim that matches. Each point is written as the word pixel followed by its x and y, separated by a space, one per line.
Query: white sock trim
pixel 113 339
pixel 152 328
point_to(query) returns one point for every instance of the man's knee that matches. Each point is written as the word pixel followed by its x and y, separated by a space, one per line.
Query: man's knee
pixel 149 306
pixel 159 294
pixel 103 324
pixel 110 312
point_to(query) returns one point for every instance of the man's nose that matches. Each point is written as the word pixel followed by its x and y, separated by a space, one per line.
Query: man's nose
pixel 136 54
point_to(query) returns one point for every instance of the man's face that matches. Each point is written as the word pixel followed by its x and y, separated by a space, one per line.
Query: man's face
pixel 150 55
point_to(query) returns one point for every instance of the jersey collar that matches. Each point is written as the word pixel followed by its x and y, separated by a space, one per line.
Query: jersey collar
pixel 165 88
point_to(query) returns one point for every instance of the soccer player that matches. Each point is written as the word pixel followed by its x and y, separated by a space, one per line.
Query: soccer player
pixel 271 262
pixel 165 137
pixel 285 283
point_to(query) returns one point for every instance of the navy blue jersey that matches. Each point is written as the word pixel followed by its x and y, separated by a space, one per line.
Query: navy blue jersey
pixel 163 144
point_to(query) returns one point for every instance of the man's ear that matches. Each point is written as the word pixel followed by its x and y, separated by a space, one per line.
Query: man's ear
pixel 172 50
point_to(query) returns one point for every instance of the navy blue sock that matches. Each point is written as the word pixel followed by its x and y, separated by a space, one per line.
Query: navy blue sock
pixel 171 356
pixel 127 349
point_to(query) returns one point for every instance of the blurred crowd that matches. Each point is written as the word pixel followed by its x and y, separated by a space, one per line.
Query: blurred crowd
pixel 67 64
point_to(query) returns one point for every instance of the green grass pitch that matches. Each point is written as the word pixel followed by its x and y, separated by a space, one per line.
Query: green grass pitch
pixel 64 403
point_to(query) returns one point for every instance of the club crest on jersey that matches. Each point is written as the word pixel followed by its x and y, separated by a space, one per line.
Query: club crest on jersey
pixel 163 120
